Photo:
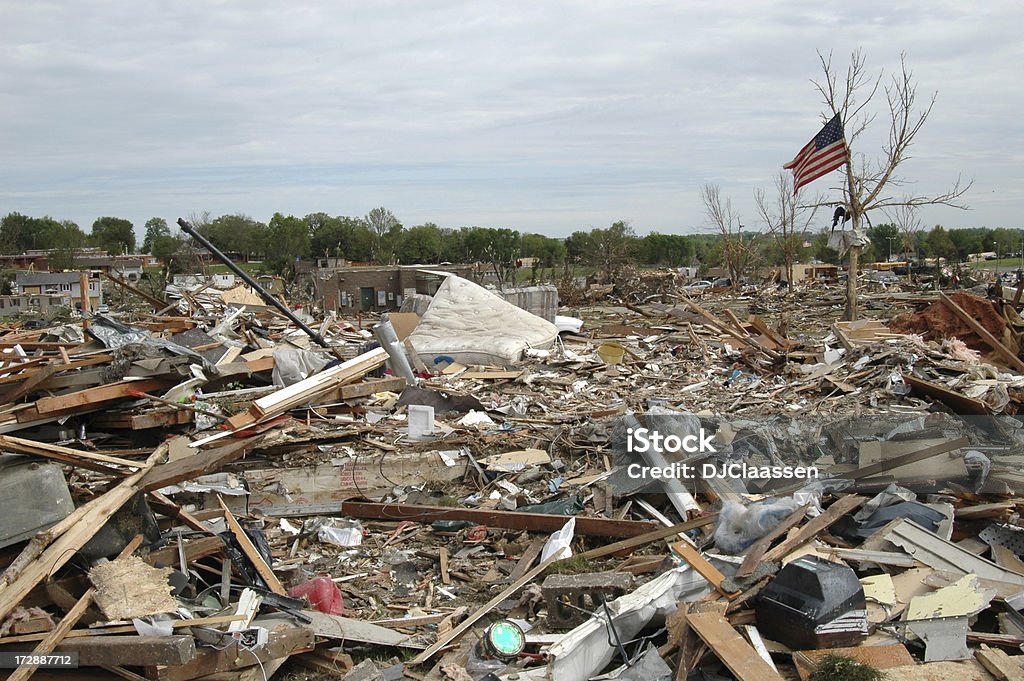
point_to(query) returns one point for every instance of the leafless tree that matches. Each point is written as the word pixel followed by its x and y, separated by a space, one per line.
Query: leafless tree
pixel 868 182
pixel 722 218
pixel 381 222
pixel 787 219
pixel 906 219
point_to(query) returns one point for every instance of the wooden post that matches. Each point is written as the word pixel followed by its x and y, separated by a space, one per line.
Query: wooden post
pixel 83 294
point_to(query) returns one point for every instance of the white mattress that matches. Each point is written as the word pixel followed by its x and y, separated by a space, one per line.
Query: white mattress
pixel 470 325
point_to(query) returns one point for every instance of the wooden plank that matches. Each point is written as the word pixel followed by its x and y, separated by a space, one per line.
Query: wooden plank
pixel 815 526
pixel 144 421
pixel 525 561
pixel 281 642
pixel 445 639
pixel 735 653
pixel 134 651
pixel 913 457
pixel 200 463
pixel 54 637
pixel 96 397
pixel 346 629
pixel 960 404
pixel 993 342
pixel 74 457
pixel 194 549
pixel 443 561
pixel 296 394
pixel 30 383
pixel 365 388
pixel 628 545
pixel 509 520
pixel 50 550
pixel 129 628
pixel 705 569
pixel 251 553
pixel 879 657
pixel 757 550
pixel 490 375
pixel 999 664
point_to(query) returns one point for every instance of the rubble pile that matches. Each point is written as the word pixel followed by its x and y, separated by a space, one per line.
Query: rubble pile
pixel 738 486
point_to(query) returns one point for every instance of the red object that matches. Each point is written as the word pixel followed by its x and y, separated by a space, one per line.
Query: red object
pixel 477 533
pixel 322 594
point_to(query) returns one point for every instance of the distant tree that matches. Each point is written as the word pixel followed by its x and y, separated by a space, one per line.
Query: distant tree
pixel 578 247
pixel 908 222
pixel 939 243
pixel 787 219
pixel 885 238
pixel 236 233
pixel 384 226
pixel 672 250
pixel 65 240
pixel 612 248
pixel 155 227
pixel 115 235
pixel 16 233
pixel 720 215
pixel 167 248
pixel 420 244
pixel 500 248
pixel 545 251
pixel 290 238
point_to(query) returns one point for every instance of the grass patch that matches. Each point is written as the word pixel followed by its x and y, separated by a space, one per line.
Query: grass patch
pixel 840 668
pixel 577 565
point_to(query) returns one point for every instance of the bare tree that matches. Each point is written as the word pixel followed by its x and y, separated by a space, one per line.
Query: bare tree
pixel 868 182
pixel 721 216
pixel 906 219
pixel 788 220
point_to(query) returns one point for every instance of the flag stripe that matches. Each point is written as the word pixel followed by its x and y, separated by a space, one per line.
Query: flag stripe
pixel 823 154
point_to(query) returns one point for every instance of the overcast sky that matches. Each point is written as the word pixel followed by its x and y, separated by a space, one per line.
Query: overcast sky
pixel 540 116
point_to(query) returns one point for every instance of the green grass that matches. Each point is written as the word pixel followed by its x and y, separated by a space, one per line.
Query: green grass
pixel 1002 262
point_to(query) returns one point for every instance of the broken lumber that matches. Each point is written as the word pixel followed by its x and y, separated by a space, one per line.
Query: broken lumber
pixel 251 553
pixel 993 342
pixel 509 520
pixel 837 510
pixel 54 637
pixel 735 653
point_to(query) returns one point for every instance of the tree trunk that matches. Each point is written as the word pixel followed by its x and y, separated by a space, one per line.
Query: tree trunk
pixel 851 284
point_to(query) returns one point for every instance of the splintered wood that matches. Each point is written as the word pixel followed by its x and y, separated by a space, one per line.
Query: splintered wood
pixel 128 587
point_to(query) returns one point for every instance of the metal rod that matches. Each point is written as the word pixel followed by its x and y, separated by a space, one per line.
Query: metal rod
pixel 264 294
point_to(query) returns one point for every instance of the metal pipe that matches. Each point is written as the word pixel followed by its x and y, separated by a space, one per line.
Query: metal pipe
pixel 264 294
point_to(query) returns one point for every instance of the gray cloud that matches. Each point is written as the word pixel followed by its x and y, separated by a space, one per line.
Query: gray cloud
pixel 541 116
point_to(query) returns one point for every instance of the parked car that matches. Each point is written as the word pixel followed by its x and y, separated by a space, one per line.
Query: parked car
pixel 698 286
pixel 103 309
pixel 34 324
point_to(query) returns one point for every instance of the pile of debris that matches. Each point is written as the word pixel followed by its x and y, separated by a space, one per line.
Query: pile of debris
pixel 463 494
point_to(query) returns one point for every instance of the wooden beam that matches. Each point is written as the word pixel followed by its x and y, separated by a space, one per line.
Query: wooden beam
pixel 993 342
pixel 74 457
pixel 444 640
pixel 913 457
pixel 705 569
pixel 41 374
pixel 757 550
pixel 837 510
pixel 735 653
pixel 200 463
pixel 628 545
pixel 134 651
pixel 959 403
pixel 95 398
pixel 251 553
pixel 51 549
pixel 54 637
pixel 152 300
pixel 509 520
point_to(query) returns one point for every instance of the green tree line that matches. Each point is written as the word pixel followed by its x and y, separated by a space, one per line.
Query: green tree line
pixel 380 238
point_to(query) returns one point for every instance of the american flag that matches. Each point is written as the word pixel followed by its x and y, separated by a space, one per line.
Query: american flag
pixel 823 154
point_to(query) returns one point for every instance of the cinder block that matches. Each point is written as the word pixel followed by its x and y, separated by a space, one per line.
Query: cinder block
pixel 571 598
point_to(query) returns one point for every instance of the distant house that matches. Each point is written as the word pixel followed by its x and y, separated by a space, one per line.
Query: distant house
pixel 378 289
pixel 58 284
pixel 811 272
pixel 129 269
pixel 14 305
